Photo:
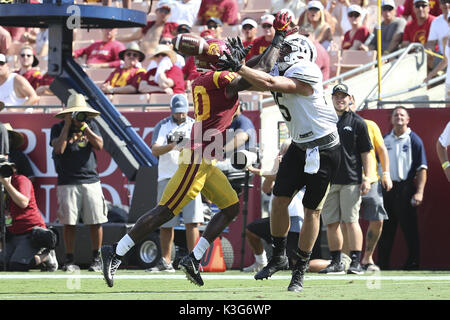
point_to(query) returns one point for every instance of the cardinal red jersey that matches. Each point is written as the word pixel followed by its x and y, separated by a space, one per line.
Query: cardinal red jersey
pixel 213 110
pixel 173 73
pixel 121 77
pixel 259 45
pixel 33 76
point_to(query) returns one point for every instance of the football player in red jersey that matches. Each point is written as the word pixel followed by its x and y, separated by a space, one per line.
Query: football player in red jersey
pixel 215 96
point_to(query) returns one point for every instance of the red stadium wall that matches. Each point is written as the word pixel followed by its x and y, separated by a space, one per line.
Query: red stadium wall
pixel 434 213
pixel 116 187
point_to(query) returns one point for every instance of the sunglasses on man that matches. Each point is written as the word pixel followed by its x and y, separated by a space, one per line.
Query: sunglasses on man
pixel 387 8
pixel 132 54
pixel 353 15
pixel 23 55
pixel 266 26
pixel 2 63
pixel 212 26
pixel 421 5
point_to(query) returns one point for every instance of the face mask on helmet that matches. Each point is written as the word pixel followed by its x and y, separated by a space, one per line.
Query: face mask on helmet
pixel 207 61
pixel 295 48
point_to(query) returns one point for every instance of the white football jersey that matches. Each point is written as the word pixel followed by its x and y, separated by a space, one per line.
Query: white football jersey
pixel 308 117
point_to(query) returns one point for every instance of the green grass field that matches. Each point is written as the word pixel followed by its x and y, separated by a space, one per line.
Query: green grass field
pixel 230 285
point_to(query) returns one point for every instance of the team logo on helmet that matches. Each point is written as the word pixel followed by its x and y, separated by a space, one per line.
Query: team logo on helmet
pixel 207 61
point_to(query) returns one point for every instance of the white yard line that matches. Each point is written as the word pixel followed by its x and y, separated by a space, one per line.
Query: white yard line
pixel 227 277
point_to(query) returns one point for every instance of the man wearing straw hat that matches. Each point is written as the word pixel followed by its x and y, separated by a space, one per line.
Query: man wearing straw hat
pixel 125 79
pixel 79 192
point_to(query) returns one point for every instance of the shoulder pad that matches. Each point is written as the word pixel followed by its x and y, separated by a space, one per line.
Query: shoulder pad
pixel 305 71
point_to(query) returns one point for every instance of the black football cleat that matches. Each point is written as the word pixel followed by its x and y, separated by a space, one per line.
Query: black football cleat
pixel 190 267
pixel 110 263
pixel 275 264
pixel 298 273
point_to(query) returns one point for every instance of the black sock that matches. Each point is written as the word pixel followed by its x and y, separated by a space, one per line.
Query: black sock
pixel 355 255
pixel 279 246
pixel 303 255
pixel 336 256
pixel 69 257
pixel 95 254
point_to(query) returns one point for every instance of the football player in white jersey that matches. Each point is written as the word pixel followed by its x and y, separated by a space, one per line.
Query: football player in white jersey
pixel 314 155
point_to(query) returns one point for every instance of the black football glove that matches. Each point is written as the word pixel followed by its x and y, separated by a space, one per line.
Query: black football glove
pixel 281 26
pixel 229 62
pixel 237 48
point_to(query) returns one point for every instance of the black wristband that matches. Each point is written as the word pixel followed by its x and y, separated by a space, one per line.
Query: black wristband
pixel 278 39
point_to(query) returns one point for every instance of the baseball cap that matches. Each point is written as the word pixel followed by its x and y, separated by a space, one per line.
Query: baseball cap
pixel 341 88
pixel 416 1
pixel 249 21
pixel 179 103
pixel 215 20
pixel 356 8
pixel 163 4
pixel 315 4
pixel 184 28
pixel 390 3
pixel 267 18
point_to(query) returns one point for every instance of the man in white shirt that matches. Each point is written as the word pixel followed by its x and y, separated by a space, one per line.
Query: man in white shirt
pixel 438 30
pixel 441 149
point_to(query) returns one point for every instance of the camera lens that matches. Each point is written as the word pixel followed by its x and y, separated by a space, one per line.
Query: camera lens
pixel 6 170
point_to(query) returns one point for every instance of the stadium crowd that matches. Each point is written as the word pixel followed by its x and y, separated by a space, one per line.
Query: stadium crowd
pixel 143 61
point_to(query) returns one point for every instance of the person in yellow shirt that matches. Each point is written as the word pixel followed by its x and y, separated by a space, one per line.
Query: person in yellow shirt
pixel 372 202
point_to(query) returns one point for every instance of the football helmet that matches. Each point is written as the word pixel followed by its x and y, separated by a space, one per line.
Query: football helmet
pixel 207 60
pixel 294 48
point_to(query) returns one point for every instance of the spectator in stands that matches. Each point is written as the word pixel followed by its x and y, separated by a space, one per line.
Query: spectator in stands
pixel 79 192
pixel 165 77
pixel 183 28
pixel 126 78
pixel 354 38
pixel 249 29
pixel 15 90
pixel 103 53
pixel 408 5
pixel 226 10
pixel 392 29
pixel 315 17
pixel 185 11
pixel 126 4
pixel 439 29
pixel 180 59
pixel 442 65
pixel 150 35
pixel 28 62
pixel 16 156
pixel 344 198
pixel 408 168
pixel 441 149
pixel 5 40
pixel 417 30
pixel 215 25
pixel 208 34
pixel 261 43
pixel 339 10
pixel 23 216
pixel 166 146
pixel 296 6
pixel 38 38
pixel 323 57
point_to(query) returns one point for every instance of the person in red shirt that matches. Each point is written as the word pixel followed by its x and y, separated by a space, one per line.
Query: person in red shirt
pixel 150 35
pixel 354 38
pixel 126 78
pixel 249 30
pixel 103 53
pixel 408 5
pixel 28 62
pixel 417 30
pixel 21 216
pixel 225 10
pixel 165 77
pixel 261 43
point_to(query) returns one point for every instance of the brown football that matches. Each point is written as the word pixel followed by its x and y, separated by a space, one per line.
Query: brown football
pixel 190 44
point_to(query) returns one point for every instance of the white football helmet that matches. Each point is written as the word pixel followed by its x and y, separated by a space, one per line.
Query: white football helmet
pixel 294 48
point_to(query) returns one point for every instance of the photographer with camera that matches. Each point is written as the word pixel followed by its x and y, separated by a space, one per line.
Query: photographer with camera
pixel 168 139
pixel 79 192
pixel 28 241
